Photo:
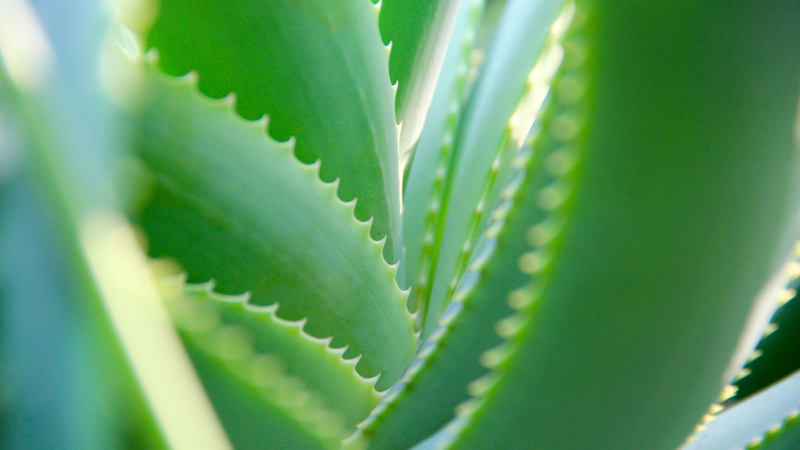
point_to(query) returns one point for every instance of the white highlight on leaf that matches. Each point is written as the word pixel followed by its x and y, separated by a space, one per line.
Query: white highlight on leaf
pixel 539 79
pixel 160 363
pixel 24 46
pixel 764 307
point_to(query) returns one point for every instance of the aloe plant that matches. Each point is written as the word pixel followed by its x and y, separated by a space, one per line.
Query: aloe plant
pixel 410 224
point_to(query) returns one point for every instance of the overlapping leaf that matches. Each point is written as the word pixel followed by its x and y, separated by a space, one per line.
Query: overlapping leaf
pixel 233 205
pixel 257 404
pixel 318 68
pixel 499 115
pixel 424 185
pixel 322 370
pixel 638 295
pixel 778 353
pixel 419 31
pixel 437 381
pixel 760 421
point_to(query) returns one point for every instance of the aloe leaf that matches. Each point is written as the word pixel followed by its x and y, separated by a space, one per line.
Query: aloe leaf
pixel 51 65
pixel 419 31
pixel 488 27
pixel 323 370
pixel 784 437
pixel 257 403
pixel 500 112
pixel 424 186
pixel 778 353
pixel 70 121
pixel 438 380
pixel 750 421
pixel 44 327
pixel 230 203
pixel 653 271
pixel 318 68
pixel 50 326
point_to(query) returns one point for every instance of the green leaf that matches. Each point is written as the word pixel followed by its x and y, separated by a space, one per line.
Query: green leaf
pixel 424 186
pixel 419 32
pixel 318 68
pixel 230 203
pixel 778 353
pixel 437 381
pixel 786 437
pixel 74 140
pixel 512 84
pixel 752 420
pixel 257 403
pixel 322 369
pixel 488 27
pixel 46 324
pixel 671 141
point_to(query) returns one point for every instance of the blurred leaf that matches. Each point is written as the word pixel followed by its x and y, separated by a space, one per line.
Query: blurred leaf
pixel 671 137
pixel 324 372
pixel 752 419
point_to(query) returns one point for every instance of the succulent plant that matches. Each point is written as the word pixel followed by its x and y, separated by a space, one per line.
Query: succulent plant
pixel 413 224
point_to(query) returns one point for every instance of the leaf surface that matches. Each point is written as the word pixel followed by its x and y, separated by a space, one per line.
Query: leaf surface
pixel 424 184
pixel 778 353
pixel 323 371
pixel 233 205
pixel 753 419
pixel 639 294
pixel 419 31
pixel 438 380
pixel 499 114
pixel 318 68
pixel 257 404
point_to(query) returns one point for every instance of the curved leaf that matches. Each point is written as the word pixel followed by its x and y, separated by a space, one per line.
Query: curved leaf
pixel 257 403
pixel 424 186
pixel 664 180
pixel 778 353
pixel 510 88
pixel 426 397
pixel 324 372
pixel 230 203
pixel 318 68
pixel 419 31
pixel 751 420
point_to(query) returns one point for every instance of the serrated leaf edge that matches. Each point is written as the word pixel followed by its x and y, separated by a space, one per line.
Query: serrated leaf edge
pixel 269 313
pixel 275 386
pixel 700 439
pixel 450 319
pixel 445 153
pixel 784 296
pixel 537 85
pixel 729 391
pixel 544 237
pixel 150 60
pixel 793 420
